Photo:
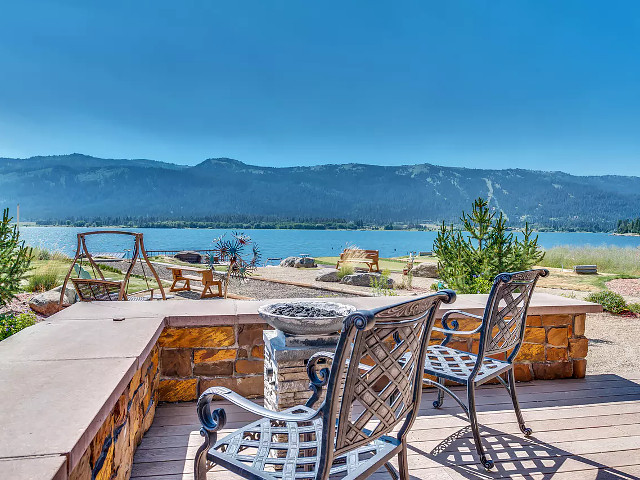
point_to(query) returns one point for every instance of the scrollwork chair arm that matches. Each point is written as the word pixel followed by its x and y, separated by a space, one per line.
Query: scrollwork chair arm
pixel 453 329
pixel 204 408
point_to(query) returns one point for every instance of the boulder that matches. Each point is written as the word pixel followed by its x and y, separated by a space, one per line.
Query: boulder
pixel 188 256
pixel 328 275
pixel 429 270
pixel 305 262
pixel 289 262
pixel 46 303
pixel 364 279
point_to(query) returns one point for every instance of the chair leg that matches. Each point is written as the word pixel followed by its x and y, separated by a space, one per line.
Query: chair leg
pixel 438 403
pixel 403 465
pixel 200 462
pixel 473 420
pixel 516 406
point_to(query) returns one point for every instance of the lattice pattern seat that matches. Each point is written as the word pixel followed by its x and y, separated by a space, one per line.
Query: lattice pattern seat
pixel 457 365
pixel 286 450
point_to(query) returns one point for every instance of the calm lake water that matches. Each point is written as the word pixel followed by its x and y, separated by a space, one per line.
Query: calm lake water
pixel 283 243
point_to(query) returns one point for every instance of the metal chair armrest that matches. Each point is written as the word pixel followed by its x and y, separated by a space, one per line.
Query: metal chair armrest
pixel 453 329
pixel 214 421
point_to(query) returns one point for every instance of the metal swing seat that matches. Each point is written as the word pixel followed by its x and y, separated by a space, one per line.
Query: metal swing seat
pixel 335 440
pixel 501 332
pixel 99 288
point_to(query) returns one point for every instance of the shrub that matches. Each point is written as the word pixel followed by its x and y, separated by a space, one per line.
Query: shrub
pixel 38 253
pixel 469 259
pixel 15 258
pixel 11 323
pixel 610 301
pixel 634 307
pixel 345 269
pixel 380 285
pixel 43 280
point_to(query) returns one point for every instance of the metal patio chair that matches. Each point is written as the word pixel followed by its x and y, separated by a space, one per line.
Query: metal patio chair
pixel 335 440
pixel 501 330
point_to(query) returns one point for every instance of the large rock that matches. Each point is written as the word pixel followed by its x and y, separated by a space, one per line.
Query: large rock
pixel 305 262
pixel 328 275
pixel 429 270
pixel 189 256
pixel 289 262
pixel 364 279
pixel 47 303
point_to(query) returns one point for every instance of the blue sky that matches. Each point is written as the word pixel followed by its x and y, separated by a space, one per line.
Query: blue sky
pixel 545 84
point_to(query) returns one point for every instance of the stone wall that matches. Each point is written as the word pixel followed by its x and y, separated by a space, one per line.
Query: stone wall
pixel 193 359
pixel 110 453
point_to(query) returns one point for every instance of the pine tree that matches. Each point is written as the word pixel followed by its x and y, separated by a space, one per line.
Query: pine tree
pixel 469 259
pixel 15 258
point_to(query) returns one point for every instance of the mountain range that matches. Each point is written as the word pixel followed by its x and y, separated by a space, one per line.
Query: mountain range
pixel 80 186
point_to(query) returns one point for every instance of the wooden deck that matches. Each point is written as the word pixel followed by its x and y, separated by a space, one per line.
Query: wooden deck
pixel 583 429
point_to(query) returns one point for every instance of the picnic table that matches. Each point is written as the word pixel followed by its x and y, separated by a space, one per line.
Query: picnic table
pixel 205 277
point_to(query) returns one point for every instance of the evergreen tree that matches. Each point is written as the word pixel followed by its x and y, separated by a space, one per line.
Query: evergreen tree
pixel 469 259
pixel 15 258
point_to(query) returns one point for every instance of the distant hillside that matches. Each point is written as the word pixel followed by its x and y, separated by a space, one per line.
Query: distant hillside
pixel 79 186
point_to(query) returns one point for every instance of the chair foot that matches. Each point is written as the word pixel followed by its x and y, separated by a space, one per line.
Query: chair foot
pixel 488 464
pixel 526 430
pixel 438 403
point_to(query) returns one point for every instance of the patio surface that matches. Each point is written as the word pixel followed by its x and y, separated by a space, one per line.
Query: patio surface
pixel 583 429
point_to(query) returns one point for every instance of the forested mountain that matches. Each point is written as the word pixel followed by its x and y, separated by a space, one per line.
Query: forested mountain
pixel 78 186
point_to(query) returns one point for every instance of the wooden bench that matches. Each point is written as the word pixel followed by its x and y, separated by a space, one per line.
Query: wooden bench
pixel 352 255
pixel 586 269
pixel 203 276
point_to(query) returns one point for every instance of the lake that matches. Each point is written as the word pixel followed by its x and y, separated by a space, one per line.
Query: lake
pixel 283 243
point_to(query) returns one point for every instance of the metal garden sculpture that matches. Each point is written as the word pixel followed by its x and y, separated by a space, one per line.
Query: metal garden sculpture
pixel 235 251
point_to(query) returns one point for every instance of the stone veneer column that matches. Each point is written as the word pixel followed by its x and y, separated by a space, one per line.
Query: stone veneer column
pixel 193 359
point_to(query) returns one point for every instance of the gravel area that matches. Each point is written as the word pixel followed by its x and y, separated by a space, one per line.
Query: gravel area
pixel 20 304
pixel 308 276
pixel 627 287
pixel 613 344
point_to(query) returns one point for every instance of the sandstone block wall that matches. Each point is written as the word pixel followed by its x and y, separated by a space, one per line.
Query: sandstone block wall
pixel 554 346
pixel 193 359
pixel 110 453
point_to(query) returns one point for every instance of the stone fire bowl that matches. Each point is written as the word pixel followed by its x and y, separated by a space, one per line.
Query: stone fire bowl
pixel 302 325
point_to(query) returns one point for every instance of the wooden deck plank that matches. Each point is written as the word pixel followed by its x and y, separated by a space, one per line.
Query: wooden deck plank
pixel 583 429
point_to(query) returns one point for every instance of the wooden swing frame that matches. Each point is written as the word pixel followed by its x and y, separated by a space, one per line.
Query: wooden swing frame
pixel 102 284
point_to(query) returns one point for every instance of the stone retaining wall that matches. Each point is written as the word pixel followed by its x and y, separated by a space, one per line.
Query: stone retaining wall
pixel 193 359
pixel 110 453
pixel 554 346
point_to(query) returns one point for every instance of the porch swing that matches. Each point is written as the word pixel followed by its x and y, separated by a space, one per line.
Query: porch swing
pixel 98 288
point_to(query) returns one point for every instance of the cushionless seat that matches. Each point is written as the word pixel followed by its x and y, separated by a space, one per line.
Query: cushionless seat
pixel 457 365
pixel 335 439
pixel 242 449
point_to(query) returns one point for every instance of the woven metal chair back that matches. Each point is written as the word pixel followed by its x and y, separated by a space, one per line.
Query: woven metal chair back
pixel 365 403
pixel 506 312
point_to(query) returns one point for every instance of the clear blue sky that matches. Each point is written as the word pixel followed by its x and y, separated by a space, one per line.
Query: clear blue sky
pixel 546 84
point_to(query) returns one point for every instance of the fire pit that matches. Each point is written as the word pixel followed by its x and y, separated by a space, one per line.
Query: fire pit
pixel 303 328
pixel 306 318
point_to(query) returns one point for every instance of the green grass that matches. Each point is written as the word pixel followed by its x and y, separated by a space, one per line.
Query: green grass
pixel 57 269
pixel 610 260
